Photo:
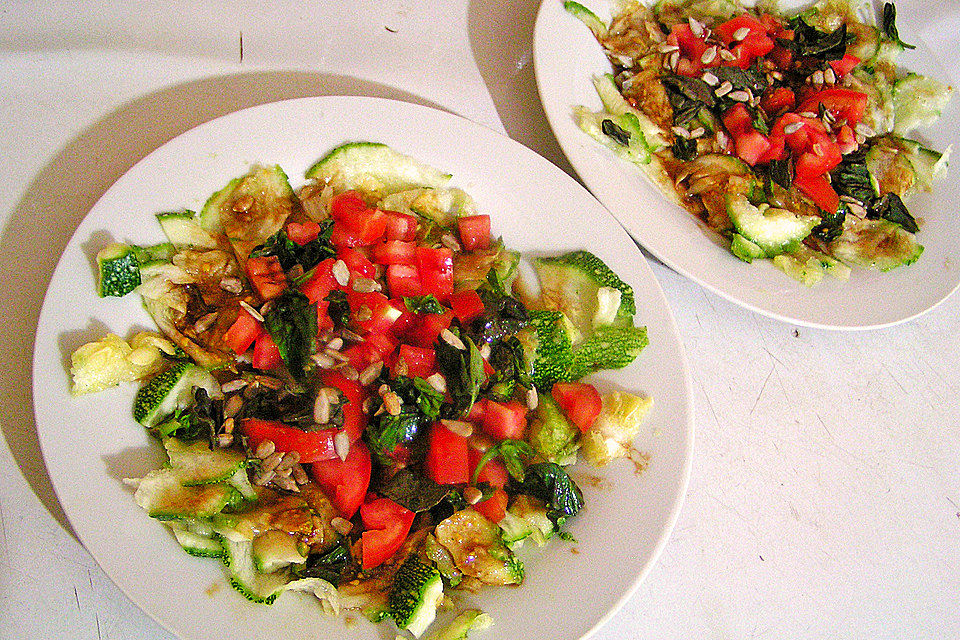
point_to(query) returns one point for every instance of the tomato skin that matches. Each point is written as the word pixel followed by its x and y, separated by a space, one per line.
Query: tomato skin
pixel 751 146
pixel 401 226
pixel 820 191
pixel 387 525
pixel 266 275
pixel 266 354
pixel 737 119
pixel 321 283
pixel 403 280
pixel 354 419
pixel 845 65
pixel 493 472
pixel 778 100
pixel 466 305
pixel 302 233
pixel 345 481
pixel 346 204
pixel 394 252
pixel 448 456
pixel 419 362
pixel 311 445
pixel 691 48
pixel 474 231
pixel 493 508
pixel 844 104
pixel 436 271
pixel 505 420
pixel 371 310
pixel 358 263
pixel 341 236
pixel 580 401
pixel 243 332
pixel 726 29
pixel 426 328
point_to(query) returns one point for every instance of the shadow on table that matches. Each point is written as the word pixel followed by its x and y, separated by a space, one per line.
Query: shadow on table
pixel 70 184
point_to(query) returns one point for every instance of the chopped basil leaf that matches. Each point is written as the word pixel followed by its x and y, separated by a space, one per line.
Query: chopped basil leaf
pixel 423 304
pixel 292 323
pixel 890 207
pixel 888 24
pixel 613 130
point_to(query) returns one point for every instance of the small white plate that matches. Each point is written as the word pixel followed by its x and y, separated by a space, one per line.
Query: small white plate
pixel 90 443
pixel 567 57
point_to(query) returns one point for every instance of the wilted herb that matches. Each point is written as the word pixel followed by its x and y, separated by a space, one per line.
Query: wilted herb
pixel 339 308
pixel 810 42
pixel 513 453
pixel 613 130
pixel 549 482
pixel 684 149
pixel 781 172
pixel 335 566
pixel 414 490
pixel 289 253
pixel 293 409
pixel 292 323
pixel 890 207
pixel 852 178
pixel 423 304
pixel 420 405
pixel 463 370
pixel 831 224
pixel 888 25
pixel 508 362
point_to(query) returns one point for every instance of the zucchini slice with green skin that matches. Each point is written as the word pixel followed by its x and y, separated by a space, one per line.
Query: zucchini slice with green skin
pixel 374 167
pixel 587 17
pixel 162 494
pixel 774 230
pixel 918 102
pixel 183 230
pixel 171 390
pixel 441 205
pixel 194 543
pixel 415 595
pixel 614 102
pixel 745 250
pixel 118 270
pixel 459 628
pixel 199 464
pixel 262 588
pixel 274 550
pixel 877 244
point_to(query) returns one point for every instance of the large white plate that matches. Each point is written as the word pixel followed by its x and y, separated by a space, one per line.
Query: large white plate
pixel 91 443
pixel 567 56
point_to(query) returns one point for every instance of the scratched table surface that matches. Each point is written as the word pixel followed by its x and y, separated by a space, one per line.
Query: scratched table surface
pixel 825 496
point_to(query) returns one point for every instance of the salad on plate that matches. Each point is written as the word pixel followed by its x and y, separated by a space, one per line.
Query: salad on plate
pixel 788 135
pixel 358 393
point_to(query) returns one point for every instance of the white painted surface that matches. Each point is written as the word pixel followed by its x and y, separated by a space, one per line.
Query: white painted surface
pixel 825 499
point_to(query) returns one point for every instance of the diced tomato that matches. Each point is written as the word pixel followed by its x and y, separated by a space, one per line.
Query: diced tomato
pixel 844 104
pixel 475 415
pixel 823 157
pixel 266 354
pixel 346 204
pixel 756 45
pixel 383 343
pixel 321 283
pixel 777 150
pixel 372 311
pixel 266 275
pixel 778 100
pixel 242 332
pixel 505 420
pixel 846 139
pixel 845 65
pixel 404 317
pixel 737 119
pixel 311 445
pixel 357 262
pixel 387 525
pixel 726 29
pixel 419 362
pixel 394 252
pixel 354 419
pixel 691 47
pixel 324 321
pixel 345 481
pixel 493 508
pixel 367 225
pixel 751 145
pixel 820 191
pixel 474 231
pixel 580 401
pixel 341 236
pixel 781 57
pixel 466 305
pixel 494 472
pixel 436 271
pixel 401 226
pixel 426 328
pixel 689 68
pixel 770 23
pixel 360 356
pixel 403 280
pixel 447 456
pixel 302 233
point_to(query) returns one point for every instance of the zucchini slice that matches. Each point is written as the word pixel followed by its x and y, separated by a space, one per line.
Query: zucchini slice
pixel 118 270
pixel 774 230
pixel 172 390
pixel 373 167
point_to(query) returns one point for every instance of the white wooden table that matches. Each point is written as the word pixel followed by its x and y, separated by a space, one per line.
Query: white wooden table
pixel 825 498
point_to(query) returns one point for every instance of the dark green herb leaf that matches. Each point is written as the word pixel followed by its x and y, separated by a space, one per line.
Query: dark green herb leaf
pixel 336 566
pixel 831 225
pixel 684 149
pixel 502 316
pixel 463 370
pixel 423 304
pixel 339 308
pixel 743 79
pixel 888 24
pixel 428 400
pixel 292 323
pixel 415 491
pixel 781 172
pixel 810 42
pixel 890 207
pixel 549 482
pixel 292 409
pixel 613 130
pixel 513 453
pixel 852 178
pixel 289 253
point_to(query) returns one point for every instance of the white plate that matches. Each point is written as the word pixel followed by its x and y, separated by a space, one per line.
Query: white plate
pixel 90 443
pixel 567 57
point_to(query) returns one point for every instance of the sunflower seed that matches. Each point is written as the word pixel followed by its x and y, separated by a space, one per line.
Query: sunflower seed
pixel 290 458
pixel 341 273
pixel 365 285
pixel 287 483
pixel 391 402
pixel 722 139
pixel 348 371
pixel 321 409
pixel 696 26
pixel 472 495
pixel 224 440
pixel 864 130
pixel 451 339
pixel 727 55
pixel 857 209
pixel 709 55
pixel 264 449
pixel 741 33
pixel 364 313
pixel 816 77
pixel 681 132
pixel 818 149
pixel 668 48
pixel 231 285
pixel 711 79
pixel 271 461
pixel 232 406
pixel 808 114
pixel 829 76
pixel 346 334
pixel 438 382
pixel 341 444
pixel 776 75
pixel 450 242
pixel 323 360
pixel 533 400
pixel 739 95
pixel 459 427
pixel 723 89
pixel 370 374
pixel 299 475
pixel 341 526
pixel 696 133
pixel 253 312
pixel 336 344
pixel 269 382
pixel 234 385
pixel 793 127
pixel 674 59
pixel 263 478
